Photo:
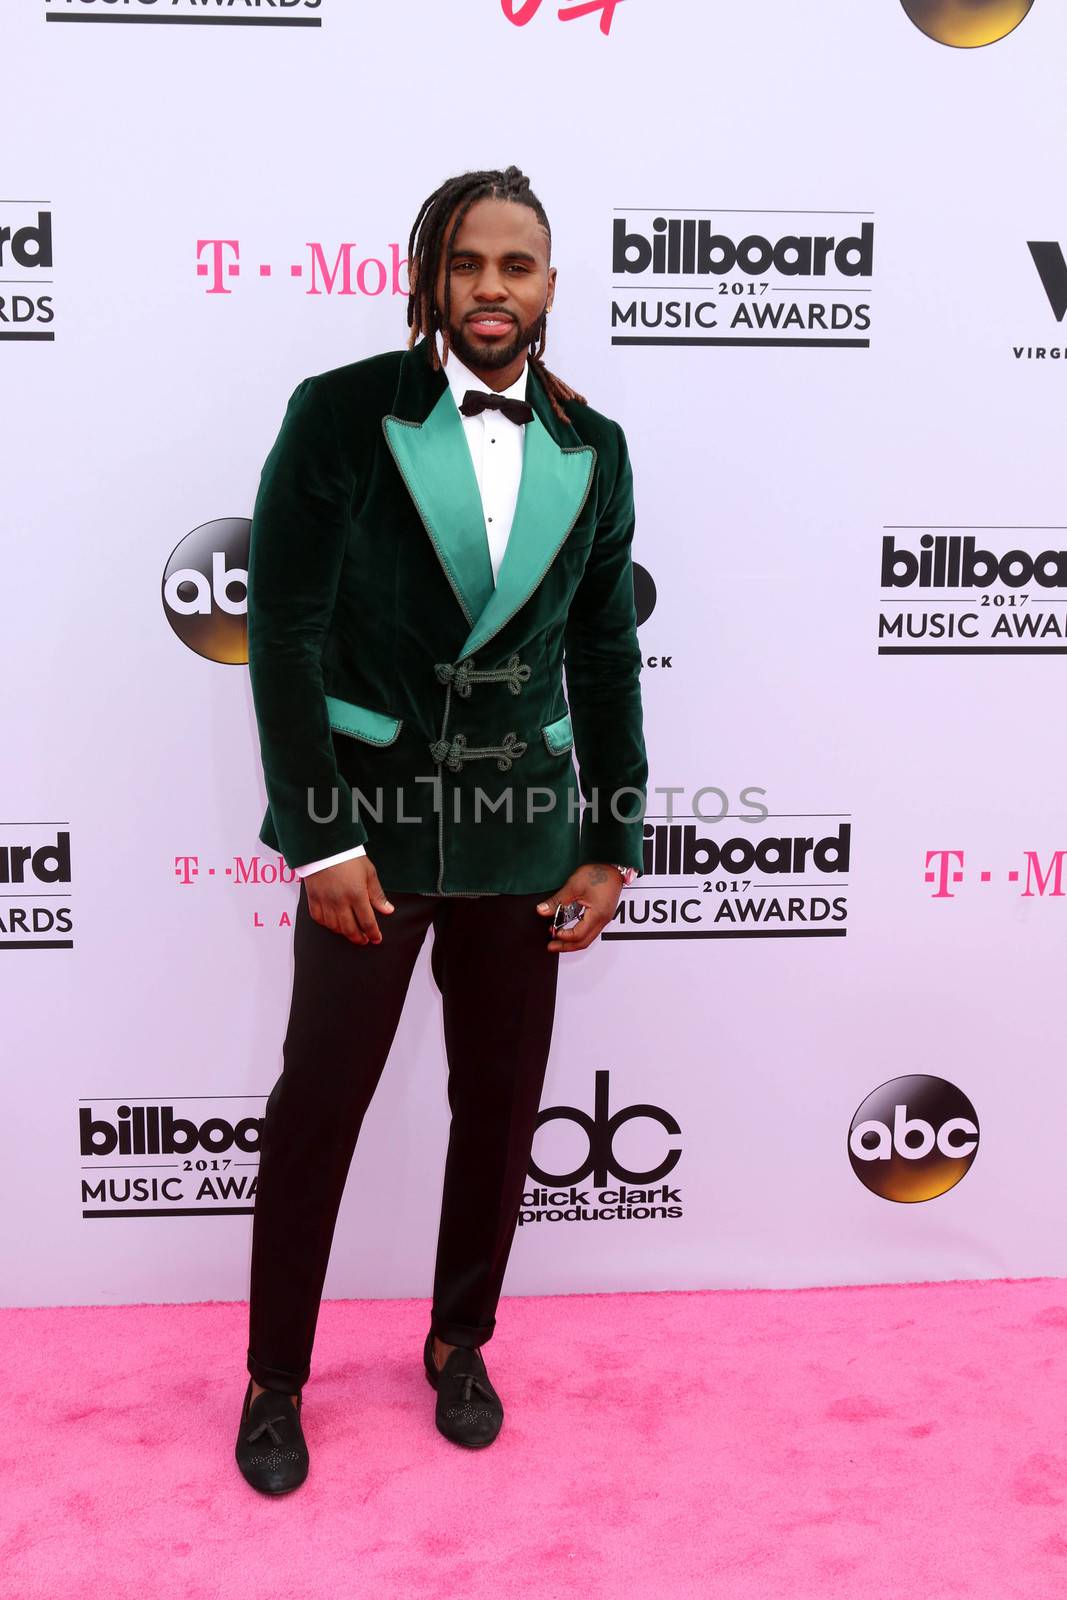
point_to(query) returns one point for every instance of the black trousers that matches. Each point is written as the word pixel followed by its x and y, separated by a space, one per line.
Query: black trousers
pixel 498 985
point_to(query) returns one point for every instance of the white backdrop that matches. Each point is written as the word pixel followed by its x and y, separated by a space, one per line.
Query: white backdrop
pixel 767 477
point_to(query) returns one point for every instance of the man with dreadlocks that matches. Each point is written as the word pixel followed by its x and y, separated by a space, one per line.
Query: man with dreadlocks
pixel 440 534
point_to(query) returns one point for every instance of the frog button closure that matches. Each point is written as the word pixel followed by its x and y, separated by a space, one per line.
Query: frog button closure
pixel 464 674
pixel 455 752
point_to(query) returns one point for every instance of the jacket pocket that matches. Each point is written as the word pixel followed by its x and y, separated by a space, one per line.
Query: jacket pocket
pixel 372 726
pixel 558 735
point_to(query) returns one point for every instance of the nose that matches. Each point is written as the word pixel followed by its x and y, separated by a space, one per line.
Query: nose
pixel 490 286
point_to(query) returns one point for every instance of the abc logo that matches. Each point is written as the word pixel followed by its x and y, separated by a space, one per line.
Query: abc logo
pixel 967 23
pixel 600 1129
pixel 913 1138
pixel 205 590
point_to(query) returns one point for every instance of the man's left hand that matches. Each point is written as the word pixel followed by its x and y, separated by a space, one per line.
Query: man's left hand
pixel 596 886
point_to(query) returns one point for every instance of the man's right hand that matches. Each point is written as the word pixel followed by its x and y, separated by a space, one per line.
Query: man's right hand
pixel 345 897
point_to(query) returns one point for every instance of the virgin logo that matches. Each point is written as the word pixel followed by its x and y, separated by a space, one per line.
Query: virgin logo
pixel 520 12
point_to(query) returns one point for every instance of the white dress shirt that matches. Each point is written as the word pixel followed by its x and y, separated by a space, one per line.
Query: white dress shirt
pixel 496 447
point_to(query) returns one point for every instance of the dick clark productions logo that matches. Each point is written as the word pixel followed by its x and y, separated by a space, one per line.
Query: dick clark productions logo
pixel 616 1193
pixel 913 1138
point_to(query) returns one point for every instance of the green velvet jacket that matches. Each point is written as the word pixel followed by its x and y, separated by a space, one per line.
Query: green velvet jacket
pixel 403 700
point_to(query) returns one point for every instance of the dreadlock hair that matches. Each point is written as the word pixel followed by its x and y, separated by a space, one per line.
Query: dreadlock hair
pixel 428 242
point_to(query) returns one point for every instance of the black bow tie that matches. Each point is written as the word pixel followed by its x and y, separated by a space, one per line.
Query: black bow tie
pixel 477 400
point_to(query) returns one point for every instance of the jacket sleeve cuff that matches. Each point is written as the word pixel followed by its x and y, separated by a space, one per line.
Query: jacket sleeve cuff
pixel 613 841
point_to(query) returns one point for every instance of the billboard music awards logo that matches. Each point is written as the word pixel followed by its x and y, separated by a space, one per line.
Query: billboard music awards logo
pixel 982 591
pixel 35 892
pixel 600 1186
pixel 210 13
pixel 704 877
pixel 1050 265
pixel 26 263
pixel 913 1138
pixel 742 278
pixel 205 590
pixel 183 1156
pixel 967 23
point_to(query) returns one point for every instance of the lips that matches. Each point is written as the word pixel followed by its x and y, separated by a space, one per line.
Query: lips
pixel 490 326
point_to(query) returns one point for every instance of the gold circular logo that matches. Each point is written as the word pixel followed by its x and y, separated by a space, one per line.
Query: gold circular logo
pixel 205 590
pixel 967 23
pixel 913 1138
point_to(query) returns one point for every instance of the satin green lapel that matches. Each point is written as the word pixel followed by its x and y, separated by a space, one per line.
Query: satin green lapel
pixel 552 491
pixel 434 460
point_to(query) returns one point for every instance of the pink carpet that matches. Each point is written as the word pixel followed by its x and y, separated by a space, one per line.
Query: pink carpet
pixel 898 1443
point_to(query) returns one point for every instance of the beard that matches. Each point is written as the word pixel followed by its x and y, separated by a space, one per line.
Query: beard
pixel 498 353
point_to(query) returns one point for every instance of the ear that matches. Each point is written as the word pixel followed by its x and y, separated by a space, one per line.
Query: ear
pixel 551 288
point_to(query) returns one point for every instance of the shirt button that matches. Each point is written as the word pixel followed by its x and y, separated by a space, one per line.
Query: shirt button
pixel 490 519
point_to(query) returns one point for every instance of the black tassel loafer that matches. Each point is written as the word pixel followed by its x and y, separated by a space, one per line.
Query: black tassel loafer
pixel 271 1450
pixel 469 1410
